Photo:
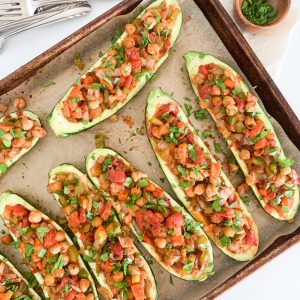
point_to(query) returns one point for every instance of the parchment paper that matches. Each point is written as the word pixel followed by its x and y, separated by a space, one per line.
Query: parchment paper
pixel 28 177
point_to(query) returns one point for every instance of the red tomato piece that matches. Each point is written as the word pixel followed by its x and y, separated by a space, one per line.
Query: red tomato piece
pixel 138 291
pixel 74 219
pixel 117 176
pixel 106 210
pixel 176 219
pixel 117 251
pixel 49 239
pixel 19 210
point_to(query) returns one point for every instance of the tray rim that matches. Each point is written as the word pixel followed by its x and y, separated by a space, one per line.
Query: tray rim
pixel 241 52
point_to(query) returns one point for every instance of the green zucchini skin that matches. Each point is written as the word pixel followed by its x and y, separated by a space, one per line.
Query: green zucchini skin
pixel 158 96
pixel 64 128
pixel 9 198
pixel 69 168
pixel 91 158
pixel 31 291
pixel 31 116
pixel 193 60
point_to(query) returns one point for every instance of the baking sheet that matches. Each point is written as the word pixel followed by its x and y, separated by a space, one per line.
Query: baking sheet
pixel 29 176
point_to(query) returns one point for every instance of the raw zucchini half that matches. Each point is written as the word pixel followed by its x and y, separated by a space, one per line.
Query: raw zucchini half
pixel 159 97
pixel 10 162
pixel 195 59
pixel 68 168
pixel 8 198
pixel 62 127
pixel 32 293
pixel 90 160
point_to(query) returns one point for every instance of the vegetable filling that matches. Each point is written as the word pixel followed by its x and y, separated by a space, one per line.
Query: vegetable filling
pixel 240 123
pixel 105 241
pixel 175 238
pixel 209 198
pixel 146 40
pixel 48 253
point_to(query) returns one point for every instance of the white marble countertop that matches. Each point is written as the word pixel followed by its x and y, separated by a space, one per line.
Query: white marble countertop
pixel 279 278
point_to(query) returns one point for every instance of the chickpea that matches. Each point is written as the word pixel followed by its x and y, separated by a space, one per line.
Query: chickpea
pixel 73 269
pixel 97 221
pixel 251 179
pixel 160 242
pixel 216 219
pixel 280 180
pixel 118 276
pixel 233 168
pixel 84 284
pixel 243 189
pixel 49 280
pixel 19 103
pixel 228 231
pixel 231 110
pixel 127 219
pixel 250 107
pixel 35 217
pixel 199 189
pixel 55 249
pixel 64 246
pixel 153 48
pixel 244 154
pixel 6 239
pixel 90 297
pixel 210 191
pixel 150 20
pixel 217 101
pixel 129 42
pixel 228 101
pixel 125 70
pixel 130 28
pixel 60 236
pixel 285 170
pixel 59 273
pixel 66 259
pixel 250 122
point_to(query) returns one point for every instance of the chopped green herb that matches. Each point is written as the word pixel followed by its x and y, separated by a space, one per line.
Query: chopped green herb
pixel 225 241
pixel 288 162
pixel 188 267
pixel 188 108
pixel 217 147
pixel 41 232
pixel 216 206
pixel 245 200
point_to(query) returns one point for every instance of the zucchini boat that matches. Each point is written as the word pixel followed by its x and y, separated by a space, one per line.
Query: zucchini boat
pixel 197 178
pixel 12 283
pixel 248 132
pixel 117 264
pixel 119 74
pixel 47 250
pixel 19 132
pixel 165 229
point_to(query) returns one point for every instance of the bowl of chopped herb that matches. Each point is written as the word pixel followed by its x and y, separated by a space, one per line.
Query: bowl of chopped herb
pixel 258 16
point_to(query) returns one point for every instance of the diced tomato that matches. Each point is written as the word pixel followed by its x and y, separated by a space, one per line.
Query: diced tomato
pixel 229 83
pixel 251 238
pixel 77 114
pixel 157 193
pixel 176 219
pixel 190 243
pixel 117 176
pixel 167 108
pixel 256 129
pixel 134 54
pixel 88 80
pixel 107 84
pixel 82 216
pixel 199 158
pixel 153 221
pixel 203 90
pixel 138 291
pixel 76 93
pixel 66 110
pixel 203 69
pixel 150 187
pixel 182 153
pixel 107 267
pixel 130 81
pixel 215 170
pixel 74 219
pixel 126 241
pixel 262 143
pixel 177 241
pixel 287 202
pixel 164 129
pixel 70 295
pixel 147 239
pixel 117 251
pixel 106 210
pixel 49 239
pixel 19 210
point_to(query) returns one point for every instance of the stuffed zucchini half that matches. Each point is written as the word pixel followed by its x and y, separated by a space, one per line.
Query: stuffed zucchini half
pixel 47 250
pixel 119 74
pixel 19 132
pixel 248 132
pixel 165 229
pixel 12 283
pixel 197 178
pixel 117 264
